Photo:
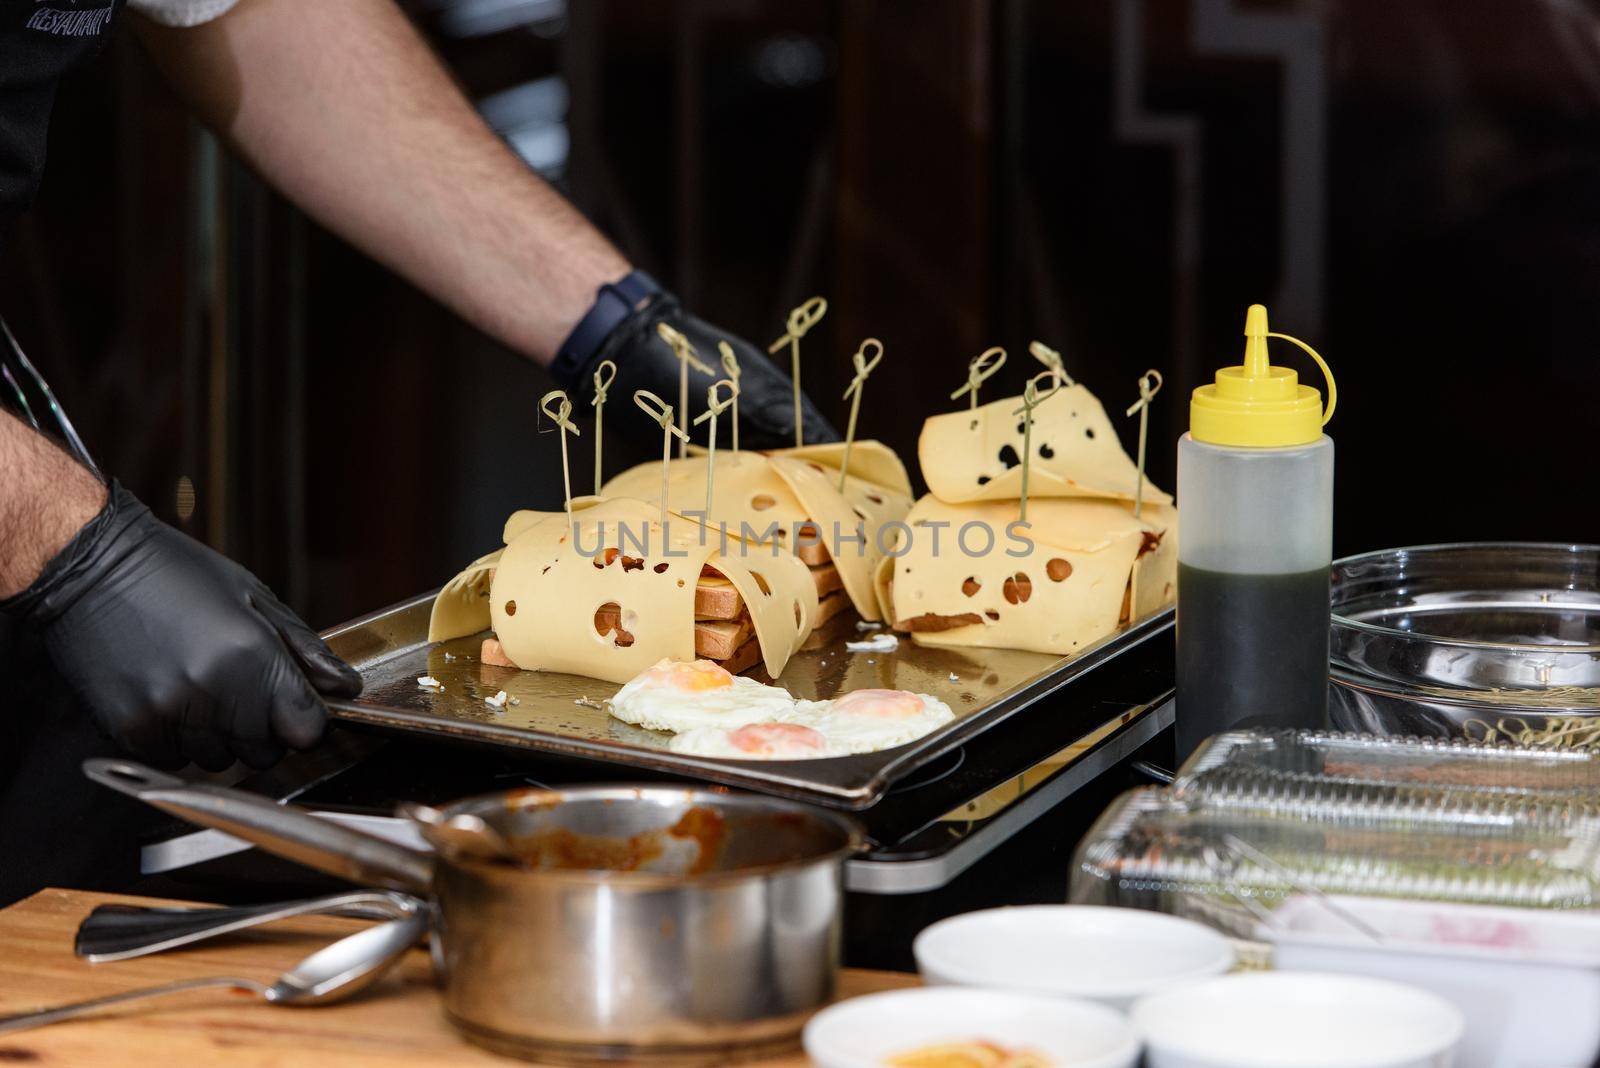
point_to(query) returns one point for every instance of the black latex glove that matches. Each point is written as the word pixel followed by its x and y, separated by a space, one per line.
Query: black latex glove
pixel 178 653
pixel 645 361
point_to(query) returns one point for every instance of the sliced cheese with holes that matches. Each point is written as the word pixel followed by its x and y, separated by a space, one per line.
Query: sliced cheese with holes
pixel 769 497
pixel 976 455
pixel 870 461
pixel 854 526
pixel 966 576
pixel 462 606
pixel 747 492
pixel 547 591
pixel 1155 575
pixel 522 519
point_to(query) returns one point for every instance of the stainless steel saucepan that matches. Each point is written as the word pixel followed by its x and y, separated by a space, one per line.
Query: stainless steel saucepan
pixel 594 923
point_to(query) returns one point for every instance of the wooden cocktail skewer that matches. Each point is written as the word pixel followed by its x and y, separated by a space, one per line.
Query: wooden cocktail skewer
pixel 714 408
pixel 661 412
pixel 864 367
pixel 730 367
pixel 801 320
pixel 602 382
pixel 1031 400
pixel 562 414
pixel 1051 359
pixel 1149 386
pixel 982 367
pixel 687 358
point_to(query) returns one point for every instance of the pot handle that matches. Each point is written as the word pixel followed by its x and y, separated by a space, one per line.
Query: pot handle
pixel 282 830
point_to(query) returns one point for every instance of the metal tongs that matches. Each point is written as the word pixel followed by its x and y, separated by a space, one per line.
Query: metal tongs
pixel 12 353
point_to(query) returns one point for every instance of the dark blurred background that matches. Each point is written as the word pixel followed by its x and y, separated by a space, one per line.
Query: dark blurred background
pixel 1413 187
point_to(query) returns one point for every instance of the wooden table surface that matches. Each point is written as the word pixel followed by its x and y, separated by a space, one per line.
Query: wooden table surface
pixel 398 1022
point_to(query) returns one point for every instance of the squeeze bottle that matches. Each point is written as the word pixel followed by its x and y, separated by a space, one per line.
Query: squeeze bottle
pixel 1255 484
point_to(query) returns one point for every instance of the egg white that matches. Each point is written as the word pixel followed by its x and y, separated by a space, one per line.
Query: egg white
pixel 851 728
pixel 651 700
pixel 716 742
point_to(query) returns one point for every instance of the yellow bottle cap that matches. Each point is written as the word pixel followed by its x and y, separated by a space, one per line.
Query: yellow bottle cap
pixel 1255 404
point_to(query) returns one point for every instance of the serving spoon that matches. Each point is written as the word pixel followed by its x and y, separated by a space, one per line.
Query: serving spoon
pixel 334 972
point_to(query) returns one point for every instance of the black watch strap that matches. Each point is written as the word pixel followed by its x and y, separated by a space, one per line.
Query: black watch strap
pixel 613 303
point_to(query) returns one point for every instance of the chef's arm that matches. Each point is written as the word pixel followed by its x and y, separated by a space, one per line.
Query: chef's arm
pixel 45 498
pixel 343 107
pixel 178 653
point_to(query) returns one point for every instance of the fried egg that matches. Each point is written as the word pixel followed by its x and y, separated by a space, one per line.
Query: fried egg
pixel 864 721
pixel 756 741
pixel 676 695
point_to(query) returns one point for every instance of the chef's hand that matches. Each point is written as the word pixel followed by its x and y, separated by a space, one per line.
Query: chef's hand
pixel 179 653
pixel 645 361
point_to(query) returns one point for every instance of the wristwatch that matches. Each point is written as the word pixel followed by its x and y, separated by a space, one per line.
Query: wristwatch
pixel 614 302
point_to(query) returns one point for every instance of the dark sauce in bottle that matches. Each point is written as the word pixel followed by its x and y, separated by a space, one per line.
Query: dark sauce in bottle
pixel 1252 652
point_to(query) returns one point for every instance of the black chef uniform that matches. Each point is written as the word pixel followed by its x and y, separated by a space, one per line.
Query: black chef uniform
pixel 55 828
pixel 40 40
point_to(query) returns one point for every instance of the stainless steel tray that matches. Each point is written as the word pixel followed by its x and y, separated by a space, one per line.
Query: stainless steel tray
pixel 983 686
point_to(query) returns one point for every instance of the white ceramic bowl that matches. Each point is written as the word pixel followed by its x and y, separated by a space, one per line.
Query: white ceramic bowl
pixel 863 1032
pixel 1297 1020
pixel 1110 955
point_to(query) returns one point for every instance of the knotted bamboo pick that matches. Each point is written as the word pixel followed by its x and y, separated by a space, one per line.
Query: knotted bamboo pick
pixel 714 408
pixel 661 412
pixel 1051 359
pixel 1149 386
pixel 602 383
pixel 801 320
pixel 687 358
pixel 864 368
pixel 562 415
pixel 1031 400
pixel 730 367
pixel 982 367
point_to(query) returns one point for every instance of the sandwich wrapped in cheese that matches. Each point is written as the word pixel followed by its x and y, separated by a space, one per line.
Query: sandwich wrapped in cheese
pixel 610 593
pixel 791 498
pixel 1080 570
pixel 976 455
pixel 964 573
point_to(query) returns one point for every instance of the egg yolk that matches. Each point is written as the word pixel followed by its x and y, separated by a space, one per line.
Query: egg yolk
pixel 879 704
pixel 765 739
pixel 693 676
